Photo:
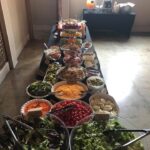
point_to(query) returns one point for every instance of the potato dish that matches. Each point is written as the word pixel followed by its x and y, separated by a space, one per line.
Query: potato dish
pixel 104 104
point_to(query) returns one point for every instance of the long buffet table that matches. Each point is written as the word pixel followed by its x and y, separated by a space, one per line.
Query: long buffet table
pixel 54 40
pixel 52 132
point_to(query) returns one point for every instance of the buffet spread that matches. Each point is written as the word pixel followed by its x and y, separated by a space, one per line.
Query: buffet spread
pixel 69 108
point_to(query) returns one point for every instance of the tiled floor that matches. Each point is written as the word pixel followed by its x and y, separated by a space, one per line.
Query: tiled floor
pixel 125 66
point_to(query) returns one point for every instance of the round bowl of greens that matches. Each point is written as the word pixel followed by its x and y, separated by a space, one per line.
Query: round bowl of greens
pixel 48 133
pixel 39 89
pixel 101 134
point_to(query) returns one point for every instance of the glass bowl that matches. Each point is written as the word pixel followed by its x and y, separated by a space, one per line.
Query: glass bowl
pixel 36 85
pixel 48 133
pixel 87 131
pixel 71 117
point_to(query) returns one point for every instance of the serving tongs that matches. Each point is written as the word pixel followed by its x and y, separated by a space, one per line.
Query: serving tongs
pixel 17 122
pixel 45 45
pixel 146 132
pixel 64 109
pixel 17 144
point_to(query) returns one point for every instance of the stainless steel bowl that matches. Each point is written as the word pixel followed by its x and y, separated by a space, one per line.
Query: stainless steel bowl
pixel 35 96
pixel 64 82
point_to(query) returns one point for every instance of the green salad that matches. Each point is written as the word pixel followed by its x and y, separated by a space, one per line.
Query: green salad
pixel 47 134
pixel 39 88
pixel 93 136
pixel 51 73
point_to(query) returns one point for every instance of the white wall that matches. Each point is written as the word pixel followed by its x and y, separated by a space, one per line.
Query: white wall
pixel 142 9
pixel 65 8
pixel 44 15
pixel 142 21
pixel 76 7
pixel 16 25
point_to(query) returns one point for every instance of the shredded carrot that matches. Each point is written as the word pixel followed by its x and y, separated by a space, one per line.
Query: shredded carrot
pixel 45 107
pixel 70 91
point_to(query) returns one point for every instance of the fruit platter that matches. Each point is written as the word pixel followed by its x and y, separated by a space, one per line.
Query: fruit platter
pixel 69 108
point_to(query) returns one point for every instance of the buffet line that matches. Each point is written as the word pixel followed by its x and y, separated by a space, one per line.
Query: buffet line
pixel 70 108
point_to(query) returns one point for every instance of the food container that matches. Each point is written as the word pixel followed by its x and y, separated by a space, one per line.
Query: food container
pixel 64 41
pixel 39 107
pixel 72 53
pixel 93 72
pixel 89 55
pixel 70 34
pixel 39 89
pixel 61 128
pixel 95 83
pixel 87 45
pixel 72 58
pixel 72 116
pixel 95 133
pixel 104 104
pixel 72 62
pixel 54 134
pixel 63 94
pixel 53 53
pixel 72 74
pixel 50 75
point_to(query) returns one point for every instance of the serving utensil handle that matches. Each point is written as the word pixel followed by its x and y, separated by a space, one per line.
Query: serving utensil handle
pixel 129 130
pixel 67 108
pixel 17 143
pixel 11 131
pixel 45 45
pixel 18 122
pixel 147 132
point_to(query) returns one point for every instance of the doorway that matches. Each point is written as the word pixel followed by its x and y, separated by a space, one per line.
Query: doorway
pixel 42 15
